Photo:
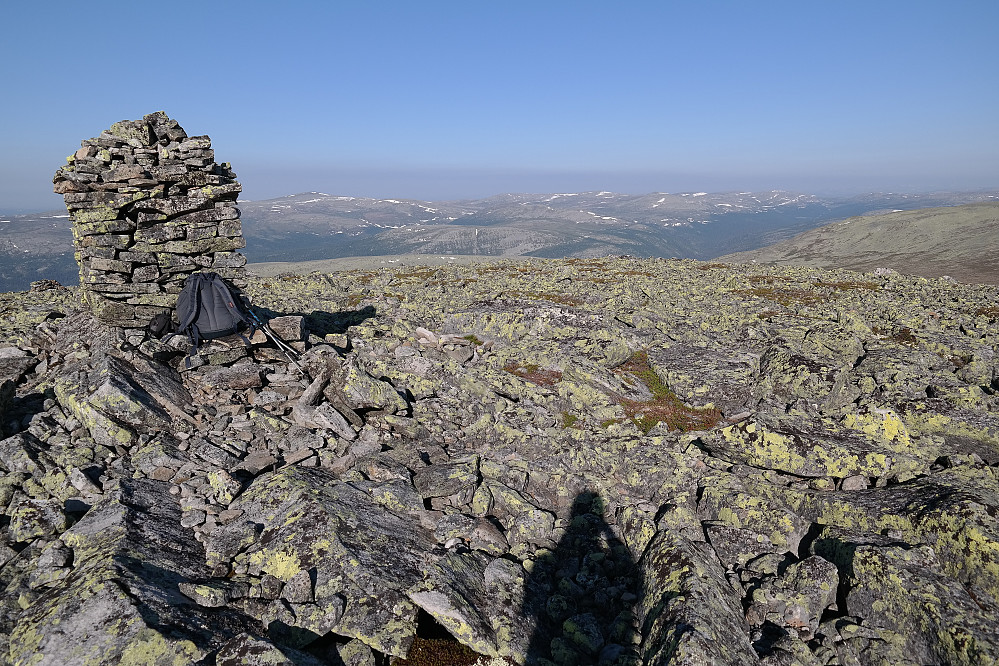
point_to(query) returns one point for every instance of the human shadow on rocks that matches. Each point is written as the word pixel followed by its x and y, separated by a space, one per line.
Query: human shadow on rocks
pixel 580 597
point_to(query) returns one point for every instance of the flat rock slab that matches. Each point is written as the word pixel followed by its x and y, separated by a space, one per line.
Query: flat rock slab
pixel 384 562
pixel 812 450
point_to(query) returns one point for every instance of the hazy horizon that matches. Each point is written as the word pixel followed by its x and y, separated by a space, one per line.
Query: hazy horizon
pixel 448 100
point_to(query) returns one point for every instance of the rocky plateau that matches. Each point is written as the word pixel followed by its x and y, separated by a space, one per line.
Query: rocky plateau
pixel 601 461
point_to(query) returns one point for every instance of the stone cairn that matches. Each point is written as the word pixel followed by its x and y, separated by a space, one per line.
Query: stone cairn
pixel 150 206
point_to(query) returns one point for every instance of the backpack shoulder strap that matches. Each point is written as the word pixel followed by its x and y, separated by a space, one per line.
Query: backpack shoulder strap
pixel 189 301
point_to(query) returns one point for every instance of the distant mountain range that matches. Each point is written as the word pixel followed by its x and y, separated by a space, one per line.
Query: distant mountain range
pixel 312 226
pixel 34 247
pixel 696 225
pixel 960 241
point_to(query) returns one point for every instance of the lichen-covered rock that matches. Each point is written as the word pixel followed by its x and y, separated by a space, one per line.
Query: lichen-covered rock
pixel 447 478
pixel 378 557
pixel 902 589
pixel 811 452
pixel 689 613
pixel 357 389
pixel 798 598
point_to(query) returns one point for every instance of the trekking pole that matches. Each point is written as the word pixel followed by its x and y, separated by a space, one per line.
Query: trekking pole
pixel 281 344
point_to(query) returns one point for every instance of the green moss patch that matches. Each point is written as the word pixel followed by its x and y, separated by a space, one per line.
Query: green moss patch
pixel 534 373
pixel 664 406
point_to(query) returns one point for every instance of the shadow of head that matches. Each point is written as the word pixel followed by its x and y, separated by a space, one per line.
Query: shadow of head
pixel 583 593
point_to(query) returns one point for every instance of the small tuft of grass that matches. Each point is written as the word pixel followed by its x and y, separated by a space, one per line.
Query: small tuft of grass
pixel 708 267
pixel 664 406
pixel 903 336
pixel 473 339
pixel 534 373
pixel 569 420
pixel 991 311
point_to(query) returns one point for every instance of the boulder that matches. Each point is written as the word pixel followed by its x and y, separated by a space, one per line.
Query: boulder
pixel 689 612
pixel 122 601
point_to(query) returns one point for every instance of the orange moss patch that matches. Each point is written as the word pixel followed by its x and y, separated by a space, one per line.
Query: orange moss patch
pixel 664 406
pixel 534 373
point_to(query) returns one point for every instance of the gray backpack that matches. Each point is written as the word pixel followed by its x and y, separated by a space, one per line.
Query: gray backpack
pixel 207 309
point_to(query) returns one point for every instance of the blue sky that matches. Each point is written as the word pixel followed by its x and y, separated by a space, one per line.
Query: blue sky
pixel 444 100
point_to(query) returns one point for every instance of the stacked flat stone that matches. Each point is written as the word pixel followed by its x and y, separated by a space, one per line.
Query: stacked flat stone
pixel 150 207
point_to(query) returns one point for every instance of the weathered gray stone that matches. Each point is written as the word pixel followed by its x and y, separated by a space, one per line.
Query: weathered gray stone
pixel 33 518
pixel 312 522
pixel 689 611
pixel 353 386
pixel 447 479
pixel 289 328
pixel 903 590
pixel 247 650
pixel 798 598
pixel 237 377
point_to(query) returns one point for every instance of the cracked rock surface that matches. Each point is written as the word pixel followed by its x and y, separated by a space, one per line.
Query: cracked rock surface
pixel 601 461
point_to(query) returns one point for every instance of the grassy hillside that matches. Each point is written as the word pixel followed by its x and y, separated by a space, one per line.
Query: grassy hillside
pixel 960 241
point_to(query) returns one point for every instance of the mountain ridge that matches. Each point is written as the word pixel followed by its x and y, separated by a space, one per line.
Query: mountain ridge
pixel 313 225
pixel 960 241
